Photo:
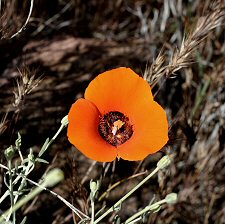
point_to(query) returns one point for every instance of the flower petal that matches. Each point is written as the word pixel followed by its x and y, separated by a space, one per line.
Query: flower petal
pixel 83 132
pixel 150 131
pixel 116 89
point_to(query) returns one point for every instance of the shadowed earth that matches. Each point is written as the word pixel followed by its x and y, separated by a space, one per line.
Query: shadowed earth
pixel 100 36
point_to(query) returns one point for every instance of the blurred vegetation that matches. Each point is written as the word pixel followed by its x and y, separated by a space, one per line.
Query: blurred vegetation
pixel 49 64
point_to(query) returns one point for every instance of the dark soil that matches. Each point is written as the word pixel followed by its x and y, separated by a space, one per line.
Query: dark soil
pixel 67 44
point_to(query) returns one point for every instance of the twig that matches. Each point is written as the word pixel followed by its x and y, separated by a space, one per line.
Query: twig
pixel 88 172
pixel 52 19
pixel 118 183
pixel 27 20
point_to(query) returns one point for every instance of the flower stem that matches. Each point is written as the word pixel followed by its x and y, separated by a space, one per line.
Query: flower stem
pixel 64 123
pixel 11 192
pixel 92 211
pixel 146 209
pixel 127 195
pixel 28 169
pixel 51 179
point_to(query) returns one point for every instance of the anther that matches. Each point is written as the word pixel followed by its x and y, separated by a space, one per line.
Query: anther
pixel 115 128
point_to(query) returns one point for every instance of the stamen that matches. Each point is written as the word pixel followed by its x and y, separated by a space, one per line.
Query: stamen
pixel 115 128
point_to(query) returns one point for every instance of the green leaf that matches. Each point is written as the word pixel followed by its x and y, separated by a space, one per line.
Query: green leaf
pixel 41 160
pixel 16 166
pixel 24 220
pixel 31 156
pixel 157 209
pixel 9 152
pixel 18 141
pixel 25 161
pixel 43 148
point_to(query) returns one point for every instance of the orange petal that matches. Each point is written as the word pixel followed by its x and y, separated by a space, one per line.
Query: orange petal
pixel 114 90
pixel 150 131
pixel 83 132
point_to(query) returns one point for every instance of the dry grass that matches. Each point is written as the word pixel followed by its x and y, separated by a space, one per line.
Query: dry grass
pixel 27 81
pixel 182 57
pixel 100 35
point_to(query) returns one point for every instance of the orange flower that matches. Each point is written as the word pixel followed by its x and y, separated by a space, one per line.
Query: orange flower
pixel 117 118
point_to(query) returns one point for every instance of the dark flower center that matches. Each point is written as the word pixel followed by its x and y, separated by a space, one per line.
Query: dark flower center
pixel 114 127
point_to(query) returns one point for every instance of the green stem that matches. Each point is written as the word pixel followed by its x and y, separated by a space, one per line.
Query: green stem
pixel 21 202
pixel 92 211
pixel 56 135
pixel 75 210
pixel 146 209
pixel 64 123
pixel 127 195
pixel 23 181
pixel 11 191
pixel 51 179
pixel 4 196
